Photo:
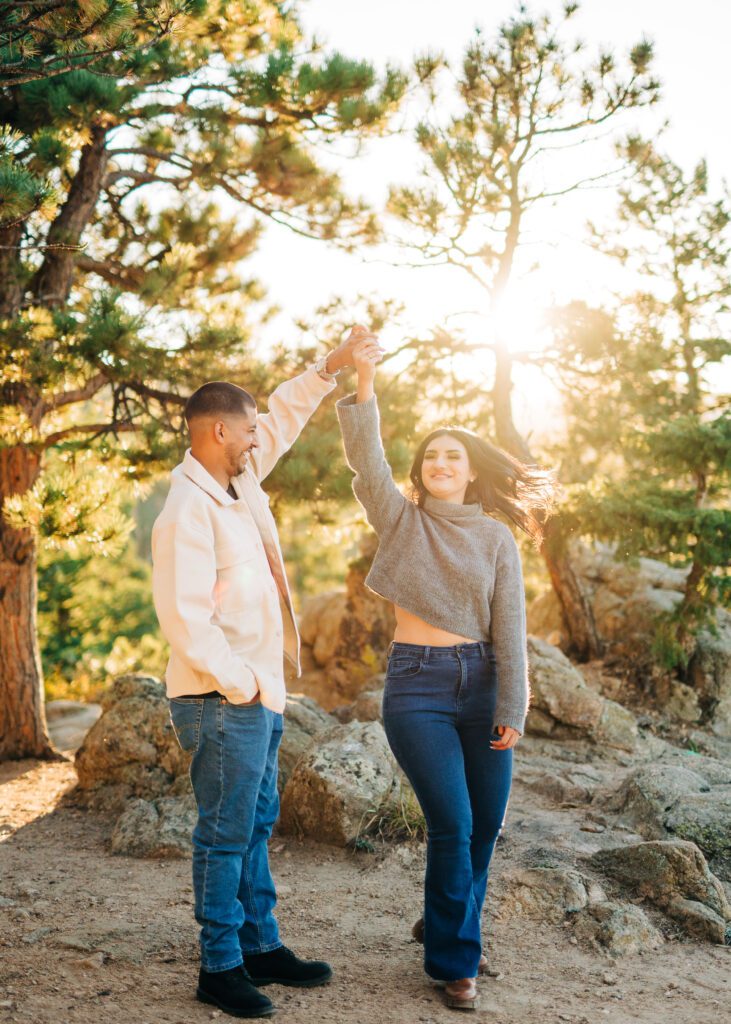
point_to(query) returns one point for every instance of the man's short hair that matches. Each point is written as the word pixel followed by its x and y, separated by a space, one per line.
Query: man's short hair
pixel 218 398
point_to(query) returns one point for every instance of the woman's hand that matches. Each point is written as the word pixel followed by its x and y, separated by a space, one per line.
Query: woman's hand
pixel 367 353
pixel 509 737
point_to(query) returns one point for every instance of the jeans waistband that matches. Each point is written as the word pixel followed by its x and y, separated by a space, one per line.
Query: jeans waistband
pixel 428 652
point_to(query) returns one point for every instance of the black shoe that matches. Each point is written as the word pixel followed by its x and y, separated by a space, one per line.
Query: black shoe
pixel 233 992
pixel 281 967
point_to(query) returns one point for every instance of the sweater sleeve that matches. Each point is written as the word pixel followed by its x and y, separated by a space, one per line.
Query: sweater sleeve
pixel 373 483
pixel 509 640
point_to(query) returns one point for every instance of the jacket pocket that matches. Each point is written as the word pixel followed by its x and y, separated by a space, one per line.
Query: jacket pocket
pixel 237 579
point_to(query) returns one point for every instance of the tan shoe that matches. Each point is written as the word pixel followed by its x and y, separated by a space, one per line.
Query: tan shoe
pixel 417 932
pixel 462 994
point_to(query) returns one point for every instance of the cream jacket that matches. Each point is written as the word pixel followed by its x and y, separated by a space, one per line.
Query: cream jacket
pixel 218 579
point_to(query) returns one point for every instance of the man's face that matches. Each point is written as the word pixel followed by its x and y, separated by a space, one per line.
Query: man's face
pixel 240 438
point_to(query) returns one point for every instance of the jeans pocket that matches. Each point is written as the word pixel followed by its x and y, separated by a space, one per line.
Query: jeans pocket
pixel 186 716
pixel 401 666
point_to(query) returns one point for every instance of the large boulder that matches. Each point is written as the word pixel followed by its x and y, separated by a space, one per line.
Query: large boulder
pixel 304 721
pixel 156 828
pixel 674 875
pixel 131 751
pixel 563 705
pixel 688 797
pixel 339 784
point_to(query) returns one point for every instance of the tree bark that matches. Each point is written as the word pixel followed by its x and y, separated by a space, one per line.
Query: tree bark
pixel 11 271
pixel 52 284
pixel 584 641
pixel 23 731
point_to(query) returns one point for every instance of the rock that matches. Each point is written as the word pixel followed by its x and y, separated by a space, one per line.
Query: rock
pixel 562 701
pixel 69 721
pixel 665 872
pixel 317 685
pixel 312 609
pixel 573 786
pixel 329 620
pixel 617 727
pixel 620 928
pixel 339 784
pixel 689 798
pixel 699 920
pixel 364 632
pixel 558 689
pixel 367 705
pixel 304 720
pixel 682 703
pixel 546 894
pixel 709 671
pixel 132 747
pixel 156 829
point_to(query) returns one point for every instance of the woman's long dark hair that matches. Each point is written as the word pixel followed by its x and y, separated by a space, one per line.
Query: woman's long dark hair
pixel 525 494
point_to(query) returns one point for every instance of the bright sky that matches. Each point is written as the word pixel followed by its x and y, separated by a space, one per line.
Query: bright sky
pixel 691 44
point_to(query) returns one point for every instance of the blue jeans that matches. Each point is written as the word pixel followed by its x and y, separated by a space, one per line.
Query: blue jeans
pixel 438 707
pixel 234 776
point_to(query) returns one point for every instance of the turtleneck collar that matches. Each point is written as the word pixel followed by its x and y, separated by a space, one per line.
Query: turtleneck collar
pixel 450 510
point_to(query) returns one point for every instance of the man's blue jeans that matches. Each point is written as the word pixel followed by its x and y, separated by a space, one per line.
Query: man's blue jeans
pixel 438 707
pixel 234 776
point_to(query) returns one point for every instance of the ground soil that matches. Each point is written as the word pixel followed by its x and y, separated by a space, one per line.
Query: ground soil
pixel 90 937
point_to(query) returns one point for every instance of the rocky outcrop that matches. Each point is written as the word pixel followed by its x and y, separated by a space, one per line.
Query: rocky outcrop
pixel 687 796
pixel 304 722
pixel 562 705
pixel 131 751
pixel 336 787
pixel 347 635
pixel 367 706
pixel 626 599
pixel 674 876
pixel 156 828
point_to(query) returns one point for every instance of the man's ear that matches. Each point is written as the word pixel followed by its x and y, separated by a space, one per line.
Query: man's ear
pixel 219 431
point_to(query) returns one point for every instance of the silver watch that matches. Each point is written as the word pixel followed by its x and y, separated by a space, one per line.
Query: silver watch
pixel 320 364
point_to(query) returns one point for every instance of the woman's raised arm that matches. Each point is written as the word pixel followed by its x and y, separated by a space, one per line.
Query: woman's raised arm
pixel 373 484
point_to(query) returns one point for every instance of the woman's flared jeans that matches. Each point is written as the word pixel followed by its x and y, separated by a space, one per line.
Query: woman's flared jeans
pixel 438 708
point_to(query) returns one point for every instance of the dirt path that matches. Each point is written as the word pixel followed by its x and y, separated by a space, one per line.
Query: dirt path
pixel 87 937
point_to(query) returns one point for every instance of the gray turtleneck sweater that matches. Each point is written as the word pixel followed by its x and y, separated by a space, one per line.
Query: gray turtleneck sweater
pixel 451 565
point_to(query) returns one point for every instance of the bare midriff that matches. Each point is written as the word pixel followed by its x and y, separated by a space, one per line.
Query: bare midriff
pixel 412 630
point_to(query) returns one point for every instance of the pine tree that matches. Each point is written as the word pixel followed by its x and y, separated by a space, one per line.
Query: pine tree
pixel 133 200
pixel 42 38
pixel 521 98
pixel 650 448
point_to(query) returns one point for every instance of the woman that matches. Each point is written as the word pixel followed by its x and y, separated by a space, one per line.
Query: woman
pixel 456 691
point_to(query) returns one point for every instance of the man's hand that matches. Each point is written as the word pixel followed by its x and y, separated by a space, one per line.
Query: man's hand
pixel 343 354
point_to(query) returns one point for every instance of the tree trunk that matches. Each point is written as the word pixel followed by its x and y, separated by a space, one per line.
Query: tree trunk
pixel 11 271
pixel 584 641
pixel 52 283
pixel 23 730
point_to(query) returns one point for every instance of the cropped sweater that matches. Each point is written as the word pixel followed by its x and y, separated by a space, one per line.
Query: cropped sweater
pixel 451 565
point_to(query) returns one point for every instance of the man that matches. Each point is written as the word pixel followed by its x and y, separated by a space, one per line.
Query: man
pixel 224 605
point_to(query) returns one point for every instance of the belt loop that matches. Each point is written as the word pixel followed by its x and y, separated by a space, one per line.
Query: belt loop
pixel 483 649
pixel 389 652
pixel 426 655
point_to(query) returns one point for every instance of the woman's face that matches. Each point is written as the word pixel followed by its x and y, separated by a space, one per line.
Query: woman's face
pixel 446 470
